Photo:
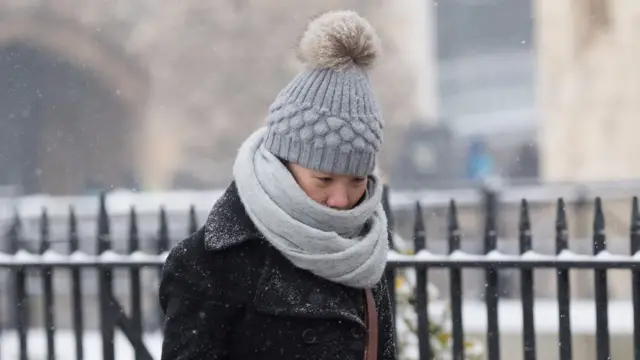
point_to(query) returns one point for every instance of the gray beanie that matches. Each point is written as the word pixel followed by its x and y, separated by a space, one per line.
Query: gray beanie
pixel 327 118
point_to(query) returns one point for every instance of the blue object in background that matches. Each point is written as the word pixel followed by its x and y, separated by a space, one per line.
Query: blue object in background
pixel 480 163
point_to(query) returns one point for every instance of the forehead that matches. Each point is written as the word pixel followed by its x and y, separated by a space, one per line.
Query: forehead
pixel 310 172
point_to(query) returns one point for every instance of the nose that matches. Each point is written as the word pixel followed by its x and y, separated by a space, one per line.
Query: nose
pixel 338 198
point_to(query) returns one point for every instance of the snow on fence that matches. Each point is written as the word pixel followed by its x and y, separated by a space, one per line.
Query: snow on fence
pixel 420 332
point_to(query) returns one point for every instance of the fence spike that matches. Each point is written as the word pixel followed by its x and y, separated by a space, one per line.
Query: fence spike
pixel 524 227
pixel 193 220
pixel 45 242
pixel 14 233
pixel 134 239
pixel 561 226
pixel 163 232
pixel 17 219
pixel 598 227
pixel 525 220
pixel 73 230
pixel 419 236
pixel 104 231
pixel 452 215
pixel 635 226
pixel 453 227
pixel 561 216
pixel 490 229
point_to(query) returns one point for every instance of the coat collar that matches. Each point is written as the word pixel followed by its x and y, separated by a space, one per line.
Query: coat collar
pixel 228 223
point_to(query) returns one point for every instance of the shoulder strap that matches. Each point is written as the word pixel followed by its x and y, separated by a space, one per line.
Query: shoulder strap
pixel 371 320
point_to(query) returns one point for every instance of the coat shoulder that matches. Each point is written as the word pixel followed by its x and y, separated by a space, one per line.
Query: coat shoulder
pixel 228 223
pixel 188 253
pixel 194 251
pixel 223 269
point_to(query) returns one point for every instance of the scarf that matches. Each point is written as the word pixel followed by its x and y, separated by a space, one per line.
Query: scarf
pixel 343 246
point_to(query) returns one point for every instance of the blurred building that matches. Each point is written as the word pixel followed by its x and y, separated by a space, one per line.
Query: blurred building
pixel 485 57
pixel 589 89
pixel 133 93
pixel 97 94
pixel 551 87
pixel 486 60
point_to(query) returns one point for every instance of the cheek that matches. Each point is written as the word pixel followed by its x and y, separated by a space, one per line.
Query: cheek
pixel 356 193
pixel 313 191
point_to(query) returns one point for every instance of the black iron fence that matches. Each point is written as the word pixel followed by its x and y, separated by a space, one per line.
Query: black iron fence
pixel 22 260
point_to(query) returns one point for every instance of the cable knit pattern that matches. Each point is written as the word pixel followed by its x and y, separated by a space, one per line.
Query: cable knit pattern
pixel 327 120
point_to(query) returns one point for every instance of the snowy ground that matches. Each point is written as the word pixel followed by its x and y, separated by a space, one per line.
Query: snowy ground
pixel 583 316
pixel 474 319
pixel 65 345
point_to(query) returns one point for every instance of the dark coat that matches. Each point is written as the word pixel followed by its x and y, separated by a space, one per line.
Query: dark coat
pixel 228 294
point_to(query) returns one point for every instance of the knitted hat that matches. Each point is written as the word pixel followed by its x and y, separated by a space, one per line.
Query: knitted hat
pixel 327 118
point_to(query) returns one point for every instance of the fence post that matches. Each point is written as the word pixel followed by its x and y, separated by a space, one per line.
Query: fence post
pixel 491 274
pixel 47 287
pixel 21 297
pixel 635 274
pixel 390 273
pixel 526 286
pixel 76 284
pixel 163 245
pixel 422 298
pixel 134 278
pixel 601 289
pixel 564 286
pixel 453 235
pixel 107 319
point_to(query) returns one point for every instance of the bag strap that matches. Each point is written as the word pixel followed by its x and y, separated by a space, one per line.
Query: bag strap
pixel 371 321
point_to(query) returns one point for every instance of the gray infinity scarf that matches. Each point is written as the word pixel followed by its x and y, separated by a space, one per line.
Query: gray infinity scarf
pixel 344 246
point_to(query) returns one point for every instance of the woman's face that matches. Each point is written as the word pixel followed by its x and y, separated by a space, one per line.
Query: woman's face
pixel 341 192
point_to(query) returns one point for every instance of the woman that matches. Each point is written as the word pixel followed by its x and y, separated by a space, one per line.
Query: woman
pixel 290 261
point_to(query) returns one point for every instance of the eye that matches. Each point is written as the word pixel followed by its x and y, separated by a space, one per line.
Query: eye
pixel 324 179
pixel 359 180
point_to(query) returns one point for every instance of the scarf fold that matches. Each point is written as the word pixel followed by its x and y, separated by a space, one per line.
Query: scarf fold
pixel 344 246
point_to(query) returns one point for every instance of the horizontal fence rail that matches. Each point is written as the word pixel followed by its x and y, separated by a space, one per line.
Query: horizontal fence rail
pixel 20 264
pixel 422 259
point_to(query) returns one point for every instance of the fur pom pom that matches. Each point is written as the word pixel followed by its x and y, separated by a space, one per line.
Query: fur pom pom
pixel 338 39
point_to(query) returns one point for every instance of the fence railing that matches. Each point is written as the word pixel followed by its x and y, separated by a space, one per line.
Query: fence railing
pixel 45 263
